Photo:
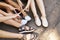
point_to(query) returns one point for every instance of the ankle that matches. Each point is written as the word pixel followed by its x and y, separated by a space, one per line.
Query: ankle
pixel 43 16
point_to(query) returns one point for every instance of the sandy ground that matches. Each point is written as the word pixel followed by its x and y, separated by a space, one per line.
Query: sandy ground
pixel 53 16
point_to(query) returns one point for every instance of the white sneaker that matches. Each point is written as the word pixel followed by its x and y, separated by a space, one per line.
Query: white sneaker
pixel 38 22
pixel 23 22
pixel 44 22
pixel 28 18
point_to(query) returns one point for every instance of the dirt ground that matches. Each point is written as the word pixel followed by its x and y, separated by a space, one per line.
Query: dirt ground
pixel 53 16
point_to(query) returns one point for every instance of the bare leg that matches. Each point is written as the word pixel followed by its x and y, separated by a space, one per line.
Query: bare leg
pixel 5 18
pixel 28 5
pixel 28 18
pixel 4 34
pixel 2 4
pixel 42 9
pixel 20 3
pixel 17 19
pixel 11 21
pixel 37 20
pixel 11 2
pixel 14 23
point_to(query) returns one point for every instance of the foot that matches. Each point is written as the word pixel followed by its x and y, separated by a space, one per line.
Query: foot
pixel 26 29
pixel 44 22
pixel 32 36
pixel 38 22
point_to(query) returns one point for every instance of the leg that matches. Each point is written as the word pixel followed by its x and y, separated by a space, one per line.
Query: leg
pixel 17 19
pixel 4 34
pixel 5 18
pixel 11 2
pixel 42 9
pixel 33 8
pixel 28 5
pixel 16 24
pixel 20 3
pixel 5 5
pixel 9 12
pixel 10 22
pixel 13 23
pixel 28 18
